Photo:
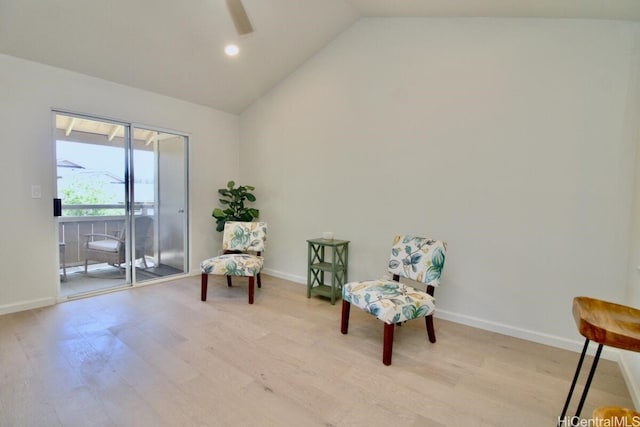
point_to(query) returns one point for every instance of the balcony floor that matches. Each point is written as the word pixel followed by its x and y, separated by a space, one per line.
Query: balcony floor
pixel 101 277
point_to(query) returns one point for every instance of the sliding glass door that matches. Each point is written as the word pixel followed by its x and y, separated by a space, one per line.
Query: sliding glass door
pixel 124 199
pixel 160 171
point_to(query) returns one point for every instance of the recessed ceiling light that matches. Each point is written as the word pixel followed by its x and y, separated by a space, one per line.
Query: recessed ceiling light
pixel 231 50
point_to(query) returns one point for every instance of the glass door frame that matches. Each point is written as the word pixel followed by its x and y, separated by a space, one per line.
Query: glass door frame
pixel 185 192
pixel 130 279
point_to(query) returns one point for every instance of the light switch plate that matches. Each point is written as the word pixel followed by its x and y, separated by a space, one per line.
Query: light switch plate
pixel 36 192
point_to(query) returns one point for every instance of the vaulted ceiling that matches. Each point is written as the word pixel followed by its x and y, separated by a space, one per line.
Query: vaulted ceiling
pixel 175 48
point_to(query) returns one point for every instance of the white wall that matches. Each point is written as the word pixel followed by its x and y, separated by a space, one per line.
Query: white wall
pixel 511 139
pixel 631 361
pixel 28 92
pixel 514 140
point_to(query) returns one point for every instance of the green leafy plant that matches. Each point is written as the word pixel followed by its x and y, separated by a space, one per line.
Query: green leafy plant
pixel 86 192
pixel 234 201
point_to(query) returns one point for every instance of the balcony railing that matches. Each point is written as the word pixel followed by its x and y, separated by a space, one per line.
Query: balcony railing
pixel 73 229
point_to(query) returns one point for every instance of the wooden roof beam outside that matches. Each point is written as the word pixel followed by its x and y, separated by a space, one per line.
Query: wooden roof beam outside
pixel 70 126
pixel 152 136
pixel 112 132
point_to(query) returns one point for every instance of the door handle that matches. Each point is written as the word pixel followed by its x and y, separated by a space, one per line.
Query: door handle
pixel 57 207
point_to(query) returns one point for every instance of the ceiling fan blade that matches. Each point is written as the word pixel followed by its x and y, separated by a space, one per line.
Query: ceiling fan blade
pixel 239 17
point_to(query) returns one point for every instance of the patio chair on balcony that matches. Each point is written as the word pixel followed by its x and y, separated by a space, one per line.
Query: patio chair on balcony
pixel 105 248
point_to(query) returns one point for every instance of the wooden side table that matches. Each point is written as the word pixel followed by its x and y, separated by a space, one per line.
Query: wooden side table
pixel 605 323
pixel 317 266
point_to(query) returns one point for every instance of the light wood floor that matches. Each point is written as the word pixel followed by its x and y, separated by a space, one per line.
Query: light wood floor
pixel 157 356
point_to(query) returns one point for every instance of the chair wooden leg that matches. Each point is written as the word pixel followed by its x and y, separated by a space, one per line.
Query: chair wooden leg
pixel 229 281
pixel 430 329
pixel 203 286
pixel 344 325
pixel 387 345
pixel 251 289
pixel 259 281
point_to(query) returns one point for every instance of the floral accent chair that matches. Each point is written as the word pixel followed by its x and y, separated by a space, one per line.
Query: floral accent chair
pixel 242 243
pixel 416 258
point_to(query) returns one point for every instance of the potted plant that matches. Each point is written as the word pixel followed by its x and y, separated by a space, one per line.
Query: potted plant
pixel 234 198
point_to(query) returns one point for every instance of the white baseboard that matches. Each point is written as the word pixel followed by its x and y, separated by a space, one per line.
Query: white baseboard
pixel 26 305
pixel 627 373
pixel 290 277
pixel 525 334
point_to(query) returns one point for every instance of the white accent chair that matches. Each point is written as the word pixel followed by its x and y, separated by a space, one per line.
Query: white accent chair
pixel 415 258
pixel 242 243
